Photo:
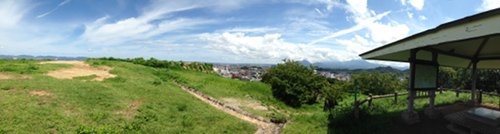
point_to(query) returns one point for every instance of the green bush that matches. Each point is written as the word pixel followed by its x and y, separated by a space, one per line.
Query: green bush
pixel 5 87
pixel 294 83
pixel 98 116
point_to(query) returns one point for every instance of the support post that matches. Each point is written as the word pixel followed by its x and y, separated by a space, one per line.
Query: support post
pixel 395 97
pixel 480 97
pixel 457 92
pixel 410 116
pixel 474 76
pixel 370 101
pixel 431 111
pixel 356 109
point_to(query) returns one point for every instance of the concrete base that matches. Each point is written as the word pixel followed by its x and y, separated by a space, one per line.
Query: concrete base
pixel 471 104
pixel 410 118
pixel 431 112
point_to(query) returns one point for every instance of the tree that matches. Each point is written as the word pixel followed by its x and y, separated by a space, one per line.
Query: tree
pixel 294 83
pixel 377 83
pixel 447 77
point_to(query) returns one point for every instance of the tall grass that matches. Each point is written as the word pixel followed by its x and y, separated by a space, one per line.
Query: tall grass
pixel 129 103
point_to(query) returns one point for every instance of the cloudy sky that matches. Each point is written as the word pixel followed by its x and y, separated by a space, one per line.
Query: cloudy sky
pixel 229 31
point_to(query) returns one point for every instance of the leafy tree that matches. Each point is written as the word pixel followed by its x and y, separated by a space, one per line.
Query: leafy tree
pixel 447 77
pixel 377 83
pixel 295 84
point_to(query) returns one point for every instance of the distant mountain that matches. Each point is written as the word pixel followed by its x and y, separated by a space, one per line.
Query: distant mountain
pixel 41 57
pixel 353 64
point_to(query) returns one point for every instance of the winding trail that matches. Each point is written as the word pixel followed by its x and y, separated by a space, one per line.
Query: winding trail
pixel 265 125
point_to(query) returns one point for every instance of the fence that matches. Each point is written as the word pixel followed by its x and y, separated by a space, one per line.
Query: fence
pixel 395 95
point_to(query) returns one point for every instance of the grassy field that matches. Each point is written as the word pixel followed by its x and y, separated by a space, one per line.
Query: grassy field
pixel 135 101
pixel 143 99
pixel 311 118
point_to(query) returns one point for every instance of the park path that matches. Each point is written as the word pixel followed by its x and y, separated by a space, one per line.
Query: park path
pixel 265 126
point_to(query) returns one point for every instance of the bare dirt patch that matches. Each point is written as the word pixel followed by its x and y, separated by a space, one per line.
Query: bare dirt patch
pixel 246 103
pixel 79 68
pixel 134 105
pixel 10 76
pixel 263 127
pixel 39 93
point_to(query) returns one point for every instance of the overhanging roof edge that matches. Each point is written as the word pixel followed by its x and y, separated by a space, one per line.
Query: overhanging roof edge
pixel 442 26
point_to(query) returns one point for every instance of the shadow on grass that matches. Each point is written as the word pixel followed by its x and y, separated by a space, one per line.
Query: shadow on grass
pixel 380 119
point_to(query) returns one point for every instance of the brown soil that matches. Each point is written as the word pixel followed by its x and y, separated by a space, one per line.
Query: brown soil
pixel 264 127
pixel 79 68
pixel 134 105
pixel 9 76
pixel 39 93
pixel 244 103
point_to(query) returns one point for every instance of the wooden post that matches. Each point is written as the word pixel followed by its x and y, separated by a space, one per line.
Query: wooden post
pixel 441 91
pixel 370 101
pixel 480 97
pixel 395 97
pixel 356 109
pixel 457 92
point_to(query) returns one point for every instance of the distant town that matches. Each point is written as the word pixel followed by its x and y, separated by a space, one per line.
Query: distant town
pixel 246 72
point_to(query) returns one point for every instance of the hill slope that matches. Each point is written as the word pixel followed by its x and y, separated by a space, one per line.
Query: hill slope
pixel 134 101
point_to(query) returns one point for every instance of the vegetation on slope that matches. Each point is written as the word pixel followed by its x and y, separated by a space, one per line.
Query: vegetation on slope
pixel 135 101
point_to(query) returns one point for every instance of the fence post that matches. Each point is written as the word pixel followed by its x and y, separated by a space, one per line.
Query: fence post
pixel 441 91
pixel 457 92
pixel 395 97
pixel 356 109
pixel 370 101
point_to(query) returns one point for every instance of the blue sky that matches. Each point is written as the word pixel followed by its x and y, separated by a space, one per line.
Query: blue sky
pixel 229 31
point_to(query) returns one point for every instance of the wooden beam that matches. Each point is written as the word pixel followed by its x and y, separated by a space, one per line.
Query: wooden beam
pixel 446 53
pixel 489 58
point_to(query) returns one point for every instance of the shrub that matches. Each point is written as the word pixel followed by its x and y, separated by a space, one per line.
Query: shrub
pixel 5 87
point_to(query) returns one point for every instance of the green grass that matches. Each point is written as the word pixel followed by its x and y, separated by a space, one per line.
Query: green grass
pixel 88 77
pixel 92 106
pixel 311 118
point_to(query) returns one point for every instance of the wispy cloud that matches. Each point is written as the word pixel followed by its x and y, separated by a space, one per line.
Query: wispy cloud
pixel 49 12
pixel 410 14
pixel 270 46
pixel 12 11
pixel 488 5
pixel 156 19
pixel 248 30
pixel 418 4
pixel 317 10
pixel 421 17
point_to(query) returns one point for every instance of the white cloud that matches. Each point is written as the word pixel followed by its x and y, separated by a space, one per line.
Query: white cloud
pixel 418 4
pixel 488 5
pixel 410 14
pixel 386 33
pixel 12 11
pixel 421 17
pixel 134 28
pixel 249 30
pixel 403 2
pixel 271 46
pixel 154 21
pixel 358 8
pixel 49 12
pixel 317 10
pixel 162 43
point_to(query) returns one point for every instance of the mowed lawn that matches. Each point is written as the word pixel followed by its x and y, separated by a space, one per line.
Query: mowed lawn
pixel 134 101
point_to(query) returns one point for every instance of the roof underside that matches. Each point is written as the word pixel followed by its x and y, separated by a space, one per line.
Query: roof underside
pixel 457 43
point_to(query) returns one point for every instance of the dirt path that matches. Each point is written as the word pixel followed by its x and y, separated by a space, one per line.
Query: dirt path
pixel 264 127
pixel 79 68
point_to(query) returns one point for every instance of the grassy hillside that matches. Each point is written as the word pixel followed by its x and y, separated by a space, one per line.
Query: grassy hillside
pixel 136 100
pixel 311 118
